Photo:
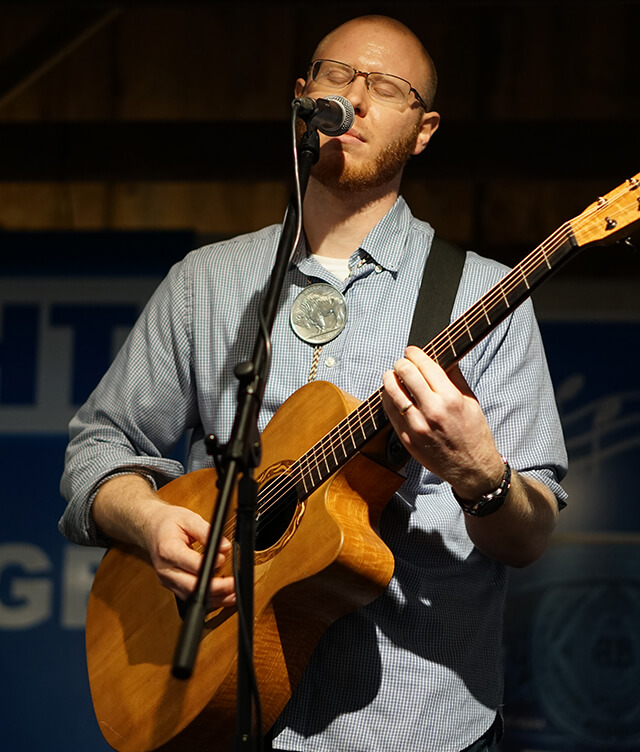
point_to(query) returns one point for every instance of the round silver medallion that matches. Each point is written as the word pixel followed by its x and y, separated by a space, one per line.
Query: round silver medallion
pixel 318 314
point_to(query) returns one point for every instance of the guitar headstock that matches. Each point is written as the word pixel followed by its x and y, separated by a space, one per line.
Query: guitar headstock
pixel 613 216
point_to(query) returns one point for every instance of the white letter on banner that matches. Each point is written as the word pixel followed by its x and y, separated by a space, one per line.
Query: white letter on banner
pixel 80 564
pixel 31 597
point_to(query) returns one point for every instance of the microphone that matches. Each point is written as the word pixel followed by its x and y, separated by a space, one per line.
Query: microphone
pixel 333 115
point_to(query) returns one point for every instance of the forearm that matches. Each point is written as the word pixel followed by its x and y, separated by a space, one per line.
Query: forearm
pixel 127 509
pixel 123 508
pixel 520 530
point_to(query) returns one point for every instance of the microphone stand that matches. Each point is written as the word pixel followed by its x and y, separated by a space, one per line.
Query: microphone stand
pixel 235 462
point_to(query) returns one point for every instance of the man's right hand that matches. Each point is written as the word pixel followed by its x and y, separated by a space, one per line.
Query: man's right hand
pixel 127 509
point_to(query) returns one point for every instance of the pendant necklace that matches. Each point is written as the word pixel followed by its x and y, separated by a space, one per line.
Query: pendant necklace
pixel 318 314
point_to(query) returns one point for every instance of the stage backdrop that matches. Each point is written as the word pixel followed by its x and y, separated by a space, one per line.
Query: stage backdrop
pixel 572 624
pixel 572 631
pixel 66 303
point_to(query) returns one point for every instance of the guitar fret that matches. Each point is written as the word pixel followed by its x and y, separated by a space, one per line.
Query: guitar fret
pixel 318 456
pixel 325 457
pixel 304 474
pixel 338 445
pixel 469 332
pixel 324 468
pixel 334 454
pixel 372 416
pixel 484 311
pixel 525 279
pixel 316 475
pixel 361 425
pixel 451 345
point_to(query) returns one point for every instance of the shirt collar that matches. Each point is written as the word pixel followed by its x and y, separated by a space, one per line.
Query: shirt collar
pixel 386 242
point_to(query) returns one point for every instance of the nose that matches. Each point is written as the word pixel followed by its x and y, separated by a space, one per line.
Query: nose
pixel 358 94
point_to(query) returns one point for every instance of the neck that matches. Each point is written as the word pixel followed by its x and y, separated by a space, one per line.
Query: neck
pixel 336 222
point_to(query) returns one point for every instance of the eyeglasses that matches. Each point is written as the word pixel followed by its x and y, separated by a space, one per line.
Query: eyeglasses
pixel 382 86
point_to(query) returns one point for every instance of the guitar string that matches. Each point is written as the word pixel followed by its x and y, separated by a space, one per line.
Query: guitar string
pixel 335 438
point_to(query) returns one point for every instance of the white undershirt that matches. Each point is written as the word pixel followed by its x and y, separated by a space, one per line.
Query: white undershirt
pixel 337 266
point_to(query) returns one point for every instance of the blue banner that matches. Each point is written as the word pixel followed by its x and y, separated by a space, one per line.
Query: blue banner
pixel 572 627
pixel 67 302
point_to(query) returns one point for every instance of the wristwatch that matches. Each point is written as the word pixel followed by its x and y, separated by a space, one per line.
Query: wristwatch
pixel 488 503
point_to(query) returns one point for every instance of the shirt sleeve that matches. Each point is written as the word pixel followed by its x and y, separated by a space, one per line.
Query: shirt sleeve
pixel 509 375
pixel 139 410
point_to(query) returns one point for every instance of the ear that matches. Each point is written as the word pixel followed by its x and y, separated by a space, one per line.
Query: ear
pixel 428 126
pixel 300 86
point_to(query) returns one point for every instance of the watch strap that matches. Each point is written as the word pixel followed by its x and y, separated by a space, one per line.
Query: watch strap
pixel 490 502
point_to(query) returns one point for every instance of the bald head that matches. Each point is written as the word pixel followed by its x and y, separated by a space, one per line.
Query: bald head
pixel 424 76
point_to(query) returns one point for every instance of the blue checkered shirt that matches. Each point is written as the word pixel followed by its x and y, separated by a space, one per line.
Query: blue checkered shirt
pixel 419 669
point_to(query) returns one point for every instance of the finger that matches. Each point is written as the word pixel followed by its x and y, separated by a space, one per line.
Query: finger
pixel 197 530
pixel 181 558
pixel 412 389
pixel 194 526
pixel 222 592
pixel 180 583
pixel 459 381
pixel 189 559
pixel 429 369
pixel 395 393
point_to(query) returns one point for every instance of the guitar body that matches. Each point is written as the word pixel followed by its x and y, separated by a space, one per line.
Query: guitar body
pixel 328 561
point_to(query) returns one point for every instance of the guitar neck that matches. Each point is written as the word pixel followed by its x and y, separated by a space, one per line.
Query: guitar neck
pixel 460 337
pixel 608 219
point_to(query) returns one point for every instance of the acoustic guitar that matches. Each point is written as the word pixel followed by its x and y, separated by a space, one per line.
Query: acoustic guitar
pixel 322 490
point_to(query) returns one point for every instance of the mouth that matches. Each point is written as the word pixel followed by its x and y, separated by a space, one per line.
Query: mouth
pixel 352 135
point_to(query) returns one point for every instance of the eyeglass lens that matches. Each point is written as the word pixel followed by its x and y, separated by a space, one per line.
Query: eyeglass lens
pixel 382 86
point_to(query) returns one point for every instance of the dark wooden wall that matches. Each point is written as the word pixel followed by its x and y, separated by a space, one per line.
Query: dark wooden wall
pixel 174 115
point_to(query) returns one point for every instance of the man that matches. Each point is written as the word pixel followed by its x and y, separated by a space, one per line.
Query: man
pixel 419 668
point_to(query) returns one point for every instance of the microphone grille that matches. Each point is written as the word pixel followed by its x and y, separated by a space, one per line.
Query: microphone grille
pixel 347 120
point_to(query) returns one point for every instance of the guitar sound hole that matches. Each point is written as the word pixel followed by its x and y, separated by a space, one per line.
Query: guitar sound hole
pixel 277 508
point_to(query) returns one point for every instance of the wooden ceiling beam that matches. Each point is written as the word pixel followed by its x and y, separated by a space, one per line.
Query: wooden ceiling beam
pixel 59 38
pixel 188 151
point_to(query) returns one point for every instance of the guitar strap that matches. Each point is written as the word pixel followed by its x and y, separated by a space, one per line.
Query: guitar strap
pixel 440 280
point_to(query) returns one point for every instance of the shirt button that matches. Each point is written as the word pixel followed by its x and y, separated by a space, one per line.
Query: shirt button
pixel 330 362
pixel 378 269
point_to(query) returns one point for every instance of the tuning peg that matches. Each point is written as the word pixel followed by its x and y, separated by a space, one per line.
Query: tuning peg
pixel 628 243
